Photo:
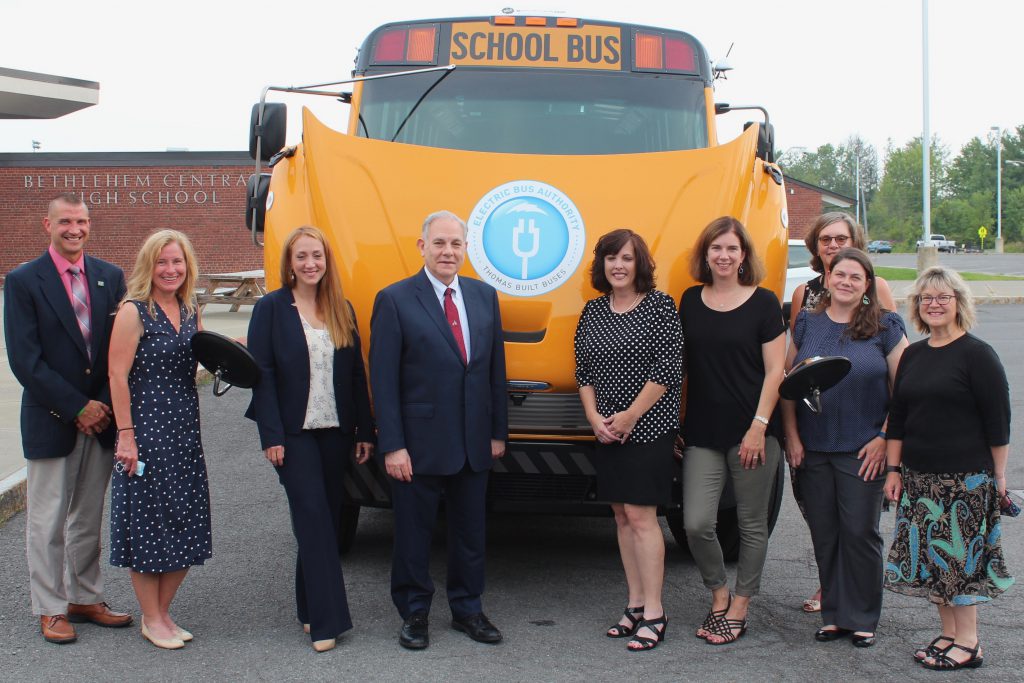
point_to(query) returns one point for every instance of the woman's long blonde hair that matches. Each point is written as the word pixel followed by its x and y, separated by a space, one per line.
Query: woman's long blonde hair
pixel 330 300
pixel 140 284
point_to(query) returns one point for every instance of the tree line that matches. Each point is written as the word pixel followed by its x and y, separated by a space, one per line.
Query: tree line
pixel 963 188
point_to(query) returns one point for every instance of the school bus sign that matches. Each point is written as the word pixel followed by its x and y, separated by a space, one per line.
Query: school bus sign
pixel 482 44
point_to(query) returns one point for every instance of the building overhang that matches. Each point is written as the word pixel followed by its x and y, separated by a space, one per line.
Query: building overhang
pixel 28 95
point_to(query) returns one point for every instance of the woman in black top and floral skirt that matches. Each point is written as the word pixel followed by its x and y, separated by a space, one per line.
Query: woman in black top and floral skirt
pixel 949 431
pixel 629 368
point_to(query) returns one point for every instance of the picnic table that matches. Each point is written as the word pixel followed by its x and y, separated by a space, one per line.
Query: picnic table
pixel 237 289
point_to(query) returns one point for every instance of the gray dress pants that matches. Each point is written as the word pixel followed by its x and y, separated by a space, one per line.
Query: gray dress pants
pixel 842 513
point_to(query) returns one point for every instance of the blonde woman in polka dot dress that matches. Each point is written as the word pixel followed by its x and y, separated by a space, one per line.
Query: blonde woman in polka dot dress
pixel 629 368
pixel 160 516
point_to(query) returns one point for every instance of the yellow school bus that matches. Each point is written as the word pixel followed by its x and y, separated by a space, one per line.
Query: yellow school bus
pixel 543 133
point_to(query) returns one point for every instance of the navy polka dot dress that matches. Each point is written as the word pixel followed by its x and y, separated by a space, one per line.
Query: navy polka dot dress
pixel 160 522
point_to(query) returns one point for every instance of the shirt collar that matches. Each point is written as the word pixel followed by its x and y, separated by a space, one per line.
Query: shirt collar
pixel 62 263
pixel 439 286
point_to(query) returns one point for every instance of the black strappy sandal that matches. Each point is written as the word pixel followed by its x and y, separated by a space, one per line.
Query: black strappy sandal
pixel 713 620
pixel 931 649
pixel 644 642
pixel 729 629
pixel 943 662
pixel 633 615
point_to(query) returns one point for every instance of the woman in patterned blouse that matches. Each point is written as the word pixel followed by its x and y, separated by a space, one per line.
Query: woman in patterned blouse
pixel 311 405
pixel 629 368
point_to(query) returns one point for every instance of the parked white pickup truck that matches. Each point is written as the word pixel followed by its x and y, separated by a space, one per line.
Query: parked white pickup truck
pixel 940 242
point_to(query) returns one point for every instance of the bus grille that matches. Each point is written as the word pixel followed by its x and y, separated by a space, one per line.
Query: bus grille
pixel 548 414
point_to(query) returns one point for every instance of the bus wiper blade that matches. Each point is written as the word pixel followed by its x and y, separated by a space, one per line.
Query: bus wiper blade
pixel 418 103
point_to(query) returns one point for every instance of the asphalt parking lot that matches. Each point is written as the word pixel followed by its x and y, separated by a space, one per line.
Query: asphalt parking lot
pixel 554 584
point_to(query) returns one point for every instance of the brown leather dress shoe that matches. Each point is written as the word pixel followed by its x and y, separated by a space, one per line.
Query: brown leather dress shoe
pixel 100 614
pixel 56 629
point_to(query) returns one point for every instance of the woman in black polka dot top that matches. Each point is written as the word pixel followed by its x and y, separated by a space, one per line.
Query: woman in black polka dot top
pixel 629 368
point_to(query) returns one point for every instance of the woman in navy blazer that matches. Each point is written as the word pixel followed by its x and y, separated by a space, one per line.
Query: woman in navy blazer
pixel 311 405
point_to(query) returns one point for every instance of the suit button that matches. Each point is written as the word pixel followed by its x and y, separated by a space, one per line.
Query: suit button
pixel 88 371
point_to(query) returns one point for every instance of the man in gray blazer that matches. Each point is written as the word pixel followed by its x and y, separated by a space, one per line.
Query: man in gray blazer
pixel 58 312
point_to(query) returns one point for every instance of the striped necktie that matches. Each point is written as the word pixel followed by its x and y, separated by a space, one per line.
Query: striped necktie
pixel 78 302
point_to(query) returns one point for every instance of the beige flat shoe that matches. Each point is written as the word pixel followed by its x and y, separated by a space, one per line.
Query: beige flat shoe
pixel 324 645
pixel 305 628
pixel 165 643
pixel 184 635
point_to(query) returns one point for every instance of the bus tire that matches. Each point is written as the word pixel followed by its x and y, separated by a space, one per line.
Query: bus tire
pixel 347 528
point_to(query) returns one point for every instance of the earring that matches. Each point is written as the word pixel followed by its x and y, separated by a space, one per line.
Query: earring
pixel 293 276
pixel 741 269
pixel 865 300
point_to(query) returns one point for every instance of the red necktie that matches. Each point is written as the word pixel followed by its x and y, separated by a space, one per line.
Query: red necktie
pixel 78 303
pixel 452 313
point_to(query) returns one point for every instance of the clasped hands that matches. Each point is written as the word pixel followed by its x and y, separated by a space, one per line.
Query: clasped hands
pixel 398 463
pixel 614 428
pixel 95 418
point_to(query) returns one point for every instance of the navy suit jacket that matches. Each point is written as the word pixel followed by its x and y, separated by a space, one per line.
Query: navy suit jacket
pixel 425 400
pixel 278 343
pixel 47 351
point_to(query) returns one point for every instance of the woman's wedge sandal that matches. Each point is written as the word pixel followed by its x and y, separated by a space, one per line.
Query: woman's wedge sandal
pixel 943 662
pixel 931 649
pixel 712 622
pixel 729 630
pixel 633 615
pixel 644 643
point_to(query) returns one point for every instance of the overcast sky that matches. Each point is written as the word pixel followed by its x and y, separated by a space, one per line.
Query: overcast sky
pixel 184 74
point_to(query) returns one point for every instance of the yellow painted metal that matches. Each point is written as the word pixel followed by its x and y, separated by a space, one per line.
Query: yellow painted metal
pixel 371 197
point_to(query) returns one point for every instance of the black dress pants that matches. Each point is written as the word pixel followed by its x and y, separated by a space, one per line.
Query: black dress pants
pixel 312 476
pixel 842 513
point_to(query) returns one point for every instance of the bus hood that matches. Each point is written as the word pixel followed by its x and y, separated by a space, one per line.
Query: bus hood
pixel 533 222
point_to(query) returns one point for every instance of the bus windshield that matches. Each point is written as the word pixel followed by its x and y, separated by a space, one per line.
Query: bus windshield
pixel 537 111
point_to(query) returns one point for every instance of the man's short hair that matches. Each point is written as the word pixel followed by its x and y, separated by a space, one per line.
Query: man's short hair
pixel 69 198
pixel 443 214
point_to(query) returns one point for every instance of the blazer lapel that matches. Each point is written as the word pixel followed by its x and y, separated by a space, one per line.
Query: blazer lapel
pixel 53 290
pixel 428 299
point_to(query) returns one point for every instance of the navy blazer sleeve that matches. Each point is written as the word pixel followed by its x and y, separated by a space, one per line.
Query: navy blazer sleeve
pixel 264 408
pixel 499 395
pixel 360 389
pixel 121 290
pixel 385 367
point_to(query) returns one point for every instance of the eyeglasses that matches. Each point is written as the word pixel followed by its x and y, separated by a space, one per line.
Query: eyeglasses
pixel 941 299
pixel 838 239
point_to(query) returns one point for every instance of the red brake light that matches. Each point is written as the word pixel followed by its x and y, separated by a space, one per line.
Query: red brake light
pixel 390 46
pixel 679 55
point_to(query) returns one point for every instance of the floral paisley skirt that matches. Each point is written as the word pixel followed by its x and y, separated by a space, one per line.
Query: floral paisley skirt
pixel 946 544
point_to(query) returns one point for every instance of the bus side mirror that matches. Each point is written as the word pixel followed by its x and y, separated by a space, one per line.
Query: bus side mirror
pixel 765 140
pixel 257 190
pixel 271 133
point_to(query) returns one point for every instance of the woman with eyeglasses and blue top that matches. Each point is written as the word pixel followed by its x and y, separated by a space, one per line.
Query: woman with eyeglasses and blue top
pixel 831 233
pixel 948 443
pixel 840 451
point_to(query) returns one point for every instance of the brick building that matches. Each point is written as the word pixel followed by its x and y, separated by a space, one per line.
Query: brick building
pixel 805 202
pixel 131 194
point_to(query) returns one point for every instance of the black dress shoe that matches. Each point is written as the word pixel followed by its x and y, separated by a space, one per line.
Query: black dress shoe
pixel 478 627
pixel 828 635
pixel 414 634
pixel 862 641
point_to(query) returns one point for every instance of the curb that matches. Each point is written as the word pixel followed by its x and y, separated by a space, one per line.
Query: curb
pixel 12 495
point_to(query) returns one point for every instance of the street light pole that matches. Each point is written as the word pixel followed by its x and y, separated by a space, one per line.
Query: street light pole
pixel 999 188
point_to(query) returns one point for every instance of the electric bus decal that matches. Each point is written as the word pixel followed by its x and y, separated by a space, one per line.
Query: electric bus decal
pixel 526 238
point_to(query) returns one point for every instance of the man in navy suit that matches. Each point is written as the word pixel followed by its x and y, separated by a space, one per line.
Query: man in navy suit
pixel 437 371
pixel 58 312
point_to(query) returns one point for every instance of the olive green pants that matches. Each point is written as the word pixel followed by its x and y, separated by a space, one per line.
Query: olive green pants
pixel 704 476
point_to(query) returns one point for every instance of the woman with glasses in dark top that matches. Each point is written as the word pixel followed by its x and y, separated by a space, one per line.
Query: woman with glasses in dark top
pixel 948 443
pixel 831 233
